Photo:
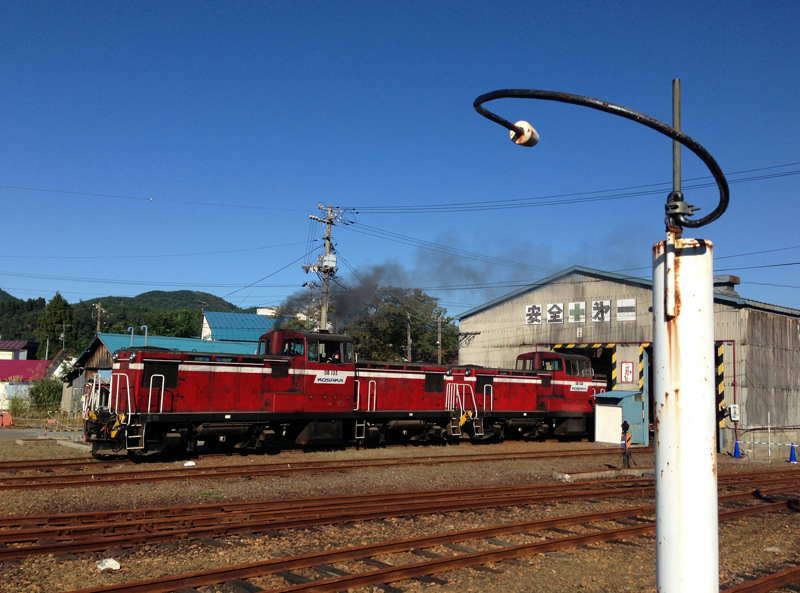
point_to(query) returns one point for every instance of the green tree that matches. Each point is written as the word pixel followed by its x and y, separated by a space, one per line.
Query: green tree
pixel 379 329
pixel 45 394
pixel 58 319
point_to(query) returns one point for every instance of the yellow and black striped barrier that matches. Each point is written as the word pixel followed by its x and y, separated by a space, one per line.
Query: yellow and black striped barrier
pixel 58 421
pixel 719 365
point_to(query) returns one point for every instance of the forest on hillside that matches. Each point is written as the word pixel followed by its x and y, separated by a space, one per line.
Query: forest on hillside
pixel 165 313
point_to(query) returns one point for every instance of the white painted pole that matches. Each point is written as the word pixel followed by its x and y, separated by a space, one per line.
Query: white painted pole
pixel 687 544
pixel 769 438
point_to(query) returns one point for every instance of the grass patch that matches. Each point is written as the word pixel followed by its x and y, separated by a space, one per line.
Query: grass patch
pixel 208 495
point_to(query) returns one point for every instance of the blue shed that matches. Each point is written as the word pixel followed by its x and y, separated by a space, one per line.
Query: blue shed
pixel 243 327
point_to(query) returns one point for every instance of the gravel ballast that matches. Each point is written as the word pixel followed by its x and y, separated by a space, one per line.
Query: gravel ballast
pixel 765 543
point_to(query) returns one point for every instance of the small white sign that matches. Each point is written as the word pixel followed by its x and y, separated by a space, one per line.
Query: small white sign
pixel 533 315
pixel 577 312
pixel 579 333
pixel 555 313
pixel 601 311
pixel 579 387
pixel 626 372
pixel 626 309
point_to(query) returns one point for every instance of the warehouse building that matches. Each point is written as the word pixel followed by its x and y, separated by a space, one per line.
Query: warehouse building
pixel 608 317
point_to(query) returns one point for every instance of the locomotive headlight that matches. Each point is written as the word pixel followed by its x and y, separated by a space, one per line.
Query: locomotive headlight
pixel 449 372
pixel 133 357
pixel 115 357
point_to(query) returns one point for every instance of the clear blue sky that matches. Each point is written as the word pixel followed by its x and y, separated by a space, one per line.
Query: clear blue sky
pixel 230 121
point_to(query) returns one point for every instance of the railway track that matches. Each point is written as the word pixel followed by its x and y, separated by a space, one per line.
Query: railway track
pixel 136 476
pixel 636 519
pixel 88 532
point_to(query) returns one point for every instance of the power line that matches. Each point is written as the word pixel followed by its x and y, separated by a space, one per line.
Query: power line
pixel 406 240
pixel 268 275
pixel 149 256
pixel 559 199
pixel 140 199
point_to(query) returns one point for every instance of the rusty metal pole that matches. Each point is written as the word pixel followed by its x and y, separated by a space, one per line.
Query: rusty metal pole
pixel 687 543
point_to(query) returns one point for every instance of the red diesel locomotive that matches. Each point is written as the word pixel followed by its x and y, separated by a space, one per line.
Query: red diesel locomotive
pixel 308 388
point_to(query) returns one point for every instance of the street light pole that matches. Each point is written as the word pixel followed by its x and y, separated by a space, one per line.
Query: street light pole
pixel 687 543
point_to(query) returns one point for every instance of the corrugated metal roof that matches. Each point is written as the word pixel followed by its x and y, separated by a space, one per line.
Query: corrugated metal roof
pixel 611 276
pixel 27 370
pixel 238 326
pixel 13 345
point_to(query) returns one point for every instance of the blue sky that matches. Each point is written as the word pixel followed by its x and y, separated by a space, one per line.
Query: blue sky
pixel 223 124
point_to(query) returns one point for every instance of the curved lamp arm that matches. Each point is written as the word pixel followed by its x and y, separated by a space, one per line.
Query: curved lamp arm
pixel 676 209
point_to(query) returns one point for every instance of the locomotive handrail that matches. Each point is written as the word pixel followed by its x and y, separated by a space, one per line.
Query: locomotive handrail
pixel 676 208
pixel 372 395
pixel 127 389
pixel 150 393
pixel 491 397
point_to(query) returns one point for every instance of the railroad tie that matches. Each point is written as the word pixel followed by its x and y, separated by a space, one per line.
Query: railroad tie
pixel 421 578
pixel 330 571
pixel 239 586
pixel 292 579
pixel 468 550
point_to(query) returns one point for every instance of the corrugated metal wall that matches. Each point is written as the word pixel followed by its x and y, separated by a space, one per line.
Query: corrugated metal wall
pixel 504 333
pixel 761 354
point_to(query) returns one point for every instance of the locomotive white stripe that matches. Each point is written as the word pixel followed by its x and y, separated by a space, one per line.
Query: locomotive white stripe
pixel 369 374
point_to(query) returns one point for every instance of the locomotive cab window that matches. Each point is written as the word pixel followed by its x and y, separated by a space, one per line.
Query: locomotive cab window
pixel 293 347
pixel 313 351
pixel 553 364
pixel 169 370
pixel 263 347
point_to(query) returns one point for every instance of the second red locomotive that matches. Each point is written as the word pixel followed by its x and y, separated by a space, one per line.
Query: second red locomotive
pixel 309 389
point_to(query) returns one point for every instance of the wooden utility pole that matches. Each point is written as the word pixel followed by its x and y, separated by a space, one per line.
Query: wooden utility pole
pixel 326 264
pixel 439 340
pixel 99 313
pixel 408 338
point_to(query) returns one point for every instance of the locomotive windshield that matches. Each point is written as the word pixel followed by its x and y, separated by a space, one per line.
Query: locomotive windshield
pixel 330 351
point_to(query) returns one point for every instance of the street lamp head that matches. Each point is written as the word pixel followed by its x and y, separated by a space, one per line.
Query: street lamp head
pixel 528 136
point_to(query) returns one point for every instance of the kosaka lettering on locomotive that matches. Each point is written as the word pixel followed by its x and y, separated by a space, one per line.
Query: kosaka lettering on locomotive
pixel 307 388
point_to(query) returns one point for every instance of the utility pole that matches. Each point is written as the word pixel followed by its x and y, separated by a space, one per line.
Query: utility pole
pixel 408 337
pixel 63 327
pixel 439 340
pixel 326 264
pixel 99 313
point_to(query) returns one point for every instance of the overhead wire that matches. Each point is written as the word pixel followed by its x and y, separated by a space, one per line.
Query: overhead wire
pixel 557 199
pixel 141 199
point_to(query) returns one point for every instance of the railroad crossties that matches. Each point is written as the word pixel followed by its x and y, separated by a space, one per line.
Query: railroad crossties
pixel 409 519
pixel 608 317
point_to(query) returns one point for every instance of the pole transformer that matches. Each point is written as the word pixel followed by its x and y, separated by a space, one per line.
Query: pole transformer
pixel 326 264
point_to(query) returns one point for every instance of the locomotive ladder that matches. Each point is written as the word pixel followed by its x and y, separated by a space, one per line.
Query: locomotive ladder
pixel 457 399
pixel 361 430
pixel 134 435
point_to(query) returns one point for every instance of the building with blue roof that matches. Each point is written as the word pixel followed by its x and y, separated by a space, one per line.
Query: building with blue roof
pixel 242 327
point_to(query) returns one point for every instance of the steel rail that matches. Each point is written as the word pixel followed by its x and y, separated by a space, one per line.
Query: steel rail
pixel 209 508
pixel 320 511
pixel 147 533
pixel 217 529
pixel 164 475
pixel 768 583
pixel 393 574
pixel 99 517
